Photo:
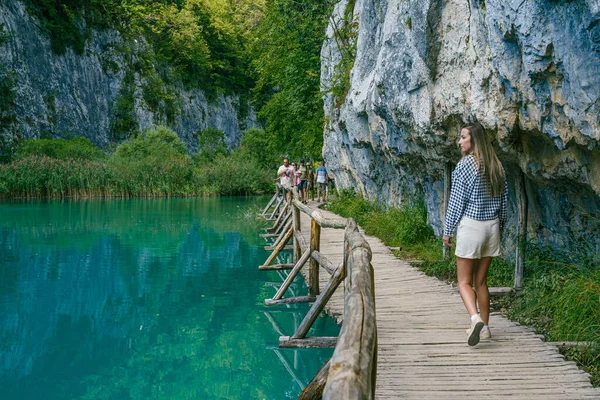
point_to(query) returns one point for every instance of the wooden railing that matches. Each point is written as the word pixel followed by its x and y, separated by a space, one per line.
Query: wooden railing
pixel 351 371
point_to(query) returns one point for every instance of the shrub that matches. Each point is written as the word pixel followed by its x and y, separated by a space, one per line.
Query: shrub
pixel 236 174
pixel 211 144
pixel 258 145
pixel 156 144
pixel 78 148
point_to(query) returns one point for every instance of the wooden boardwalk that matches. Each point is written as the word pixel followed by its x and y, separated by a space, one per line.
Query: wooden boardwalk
pixel 423 353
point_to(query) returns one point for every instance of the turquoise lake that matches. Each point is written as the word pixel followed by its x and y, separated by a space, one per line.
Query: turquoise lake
pixel 145 299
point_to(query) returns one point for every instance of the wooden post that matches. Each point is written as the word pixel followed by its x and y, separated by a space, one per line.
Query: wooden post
pixel 290 278
pixel 523 206
pixel 281 215
pixel 354 361
pixel 319 305
pixel 447 187
pixel 277 205
pixel 297 249
pixel 315 245
pixel 279 247
pixel 269 204
pixel 314 390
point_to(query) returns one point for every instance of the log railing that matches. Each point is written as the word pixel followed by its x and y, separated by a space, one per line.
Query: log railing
pixel 351 371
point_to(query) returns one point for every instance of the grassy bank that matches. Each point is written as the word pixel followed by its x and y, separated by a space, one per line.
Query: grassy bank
pixel 155 163
pixel 561 293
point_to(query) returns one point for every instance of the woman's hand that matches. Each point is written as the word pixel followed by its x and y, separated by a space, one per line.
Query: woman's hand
pixel 446 240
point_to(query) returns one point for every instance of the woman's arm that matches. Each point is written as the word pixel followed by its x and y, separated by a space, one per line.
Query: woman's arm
pixel 463 178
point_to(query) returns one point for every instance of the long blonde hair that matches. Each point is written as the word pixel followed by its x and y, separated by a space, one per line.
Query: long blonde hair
pixel 486 159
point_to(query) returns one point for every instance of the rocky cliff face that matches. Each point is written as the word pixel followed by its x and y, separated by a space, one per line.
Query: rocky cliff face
pixel 79 95
pixel 528 70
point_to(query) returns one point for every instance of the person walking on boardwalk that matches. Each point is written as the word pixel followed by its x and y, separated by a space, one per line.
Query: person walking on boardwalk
pixel 286 174
pixel 321 176
pixel 304 171
pixel 477 212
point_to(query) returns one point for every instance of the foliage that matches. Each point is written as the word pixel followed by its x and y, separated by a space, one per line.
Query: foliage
pixel 124 122
pixel 219 46
pixel 59 19
pixel 202 40
pixel 286 52
pixel 156 145
pixel 236 174
pixel 9 136
pixel 345 35
pixel 211 143
pixel 78 148
pixel 154 163
pixel 160 96
pixel 259 147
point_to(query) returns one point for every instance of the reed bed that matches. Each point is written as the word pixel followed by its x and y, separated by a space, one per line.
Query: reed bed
pixel 151 165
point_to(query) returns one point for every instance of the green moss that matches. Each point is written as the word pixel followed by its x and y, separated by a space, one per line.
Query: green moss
pixel 9 134
pixel 58 19
pixel 124 122
pixel 161 97
pixel 50 102
pixel 345 35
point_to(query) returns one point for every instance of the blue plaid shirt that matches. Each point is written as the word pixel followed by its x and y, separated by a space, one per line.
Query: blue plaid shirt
pixel 469 197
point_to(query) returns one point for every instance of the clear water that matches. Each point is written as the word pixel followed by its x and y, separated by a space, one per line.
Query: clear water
pixel 144 299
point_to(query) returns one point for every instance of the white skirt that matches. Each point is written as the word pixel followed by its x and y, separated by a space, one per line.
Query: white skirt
pixel 477 239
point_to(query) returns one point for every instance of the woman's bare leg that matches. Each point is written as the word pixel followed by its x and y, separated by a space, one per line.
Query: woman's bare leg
pixel 464 269
pixel 480 280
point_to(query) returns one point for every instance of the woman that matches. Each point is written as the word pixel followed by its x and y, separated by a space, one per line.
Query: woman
pixel 478 206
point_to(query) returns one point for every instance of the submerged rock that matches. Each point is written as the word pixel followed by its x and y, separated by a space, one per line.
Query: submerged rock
pixel 528 70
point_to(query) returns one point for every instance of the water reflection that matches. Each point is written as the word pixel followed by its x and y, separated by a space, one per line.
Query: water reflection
pixel 131 299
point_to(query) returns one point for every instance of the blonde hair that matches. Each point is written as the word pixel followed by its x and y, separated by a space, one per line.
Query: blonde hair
pixel 486 159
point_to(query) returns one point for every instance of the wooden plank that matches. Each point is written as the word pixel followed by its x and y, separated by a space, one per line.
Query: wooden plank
pixel 324 262
pixel 317 216
pixel 287 248
pixel 296 221
pixel 277 205
pixel 268 235
pixel 273 199
pixel 279 247
pixel 317 342
pixel 276 267
pixel 290 300
pixel 315 245
pixel 290 278
pixel 287 227
pixel 500 291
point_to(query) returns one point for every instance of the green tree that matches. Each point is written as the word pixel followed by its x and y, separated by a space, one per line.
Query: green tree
pixel 287 63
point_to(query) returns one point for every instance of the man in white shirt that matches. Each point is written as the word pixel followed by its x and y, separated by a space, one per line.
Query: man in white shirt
pixel 285 174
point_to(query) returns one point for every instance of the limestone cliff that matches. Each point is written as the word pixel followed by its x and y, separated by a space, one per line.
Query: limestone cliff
pixel 71 94
pixel 528 70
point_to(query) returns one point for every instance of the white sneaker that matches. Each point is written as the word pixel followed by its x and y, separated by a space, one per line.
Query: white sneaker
pixel 485 335
pixel 473 332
